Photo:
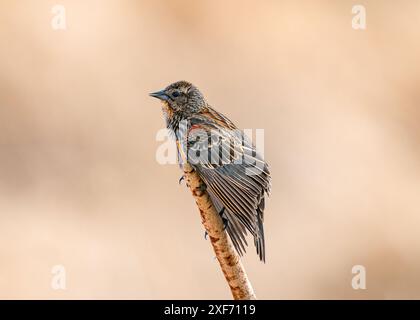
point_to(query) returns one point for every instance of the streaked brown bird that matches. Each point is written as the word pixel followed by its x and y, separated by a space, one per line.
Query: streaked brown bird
pixel 236 176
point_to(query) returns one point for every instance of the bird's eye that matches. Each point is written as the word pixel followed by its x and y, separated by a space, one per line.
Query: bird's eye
pixel 175 94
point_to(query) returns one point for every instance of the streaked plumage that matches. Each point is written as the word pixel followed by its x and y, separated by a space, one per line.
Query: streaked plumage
pixel 238 180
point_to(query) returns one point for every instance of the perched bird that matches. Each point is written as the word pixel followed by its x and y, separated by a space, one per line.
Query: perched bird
pixel 236 176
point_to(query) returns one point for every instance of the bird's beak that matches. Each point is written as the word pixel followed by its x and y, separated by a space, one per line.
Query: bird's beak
pixel 160 95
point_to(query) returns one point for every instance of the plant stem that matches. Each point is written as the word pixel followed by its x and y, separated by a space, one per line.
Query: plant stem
pixel 228 258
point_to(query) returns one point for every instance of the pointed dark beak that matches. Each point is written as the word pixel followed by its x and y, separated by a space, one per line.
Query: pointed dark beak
pixel 160 95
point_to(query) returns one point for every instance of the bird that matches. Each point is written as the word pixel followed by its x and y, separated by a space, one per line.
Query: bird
pixel 235 175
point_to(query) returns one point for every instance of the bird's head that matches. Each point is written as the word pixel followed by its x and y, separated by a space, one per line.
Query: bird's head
pixel 181 96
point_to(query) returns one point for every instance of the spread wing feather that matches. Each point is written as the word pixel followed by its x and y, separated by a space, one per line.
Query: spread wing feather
pixel 237 180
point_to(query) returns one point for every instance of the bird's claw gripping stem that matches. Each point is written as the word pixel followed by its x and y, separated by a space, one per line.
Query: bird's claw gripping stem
pixel 181 179
pixel 225 222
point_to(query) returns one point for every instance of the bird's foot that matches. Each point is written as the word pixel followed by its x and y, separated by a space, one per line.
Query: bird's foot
pixel 181 179
pixel 225 222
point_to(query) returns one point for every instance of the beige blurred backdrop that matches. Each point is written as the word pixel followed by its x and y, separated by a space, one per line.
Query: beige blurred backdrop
pixel 80 186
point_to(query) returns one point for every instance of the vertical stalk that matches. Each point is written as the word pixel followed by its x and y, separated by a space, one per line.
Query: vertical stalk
pixel 227 256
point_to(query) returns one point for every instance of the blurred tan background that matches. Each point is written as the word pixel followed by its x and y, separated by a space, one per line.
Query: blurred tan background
pixel 80 186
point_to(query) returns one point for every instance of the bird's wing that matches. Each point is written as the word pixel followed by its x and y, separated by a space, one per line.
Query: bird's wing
pixel 217 117
pixel 235 174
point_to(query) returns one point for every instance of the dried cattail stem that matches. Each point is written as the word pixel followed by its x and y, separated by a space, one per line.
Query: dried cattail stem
pixel 228 258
